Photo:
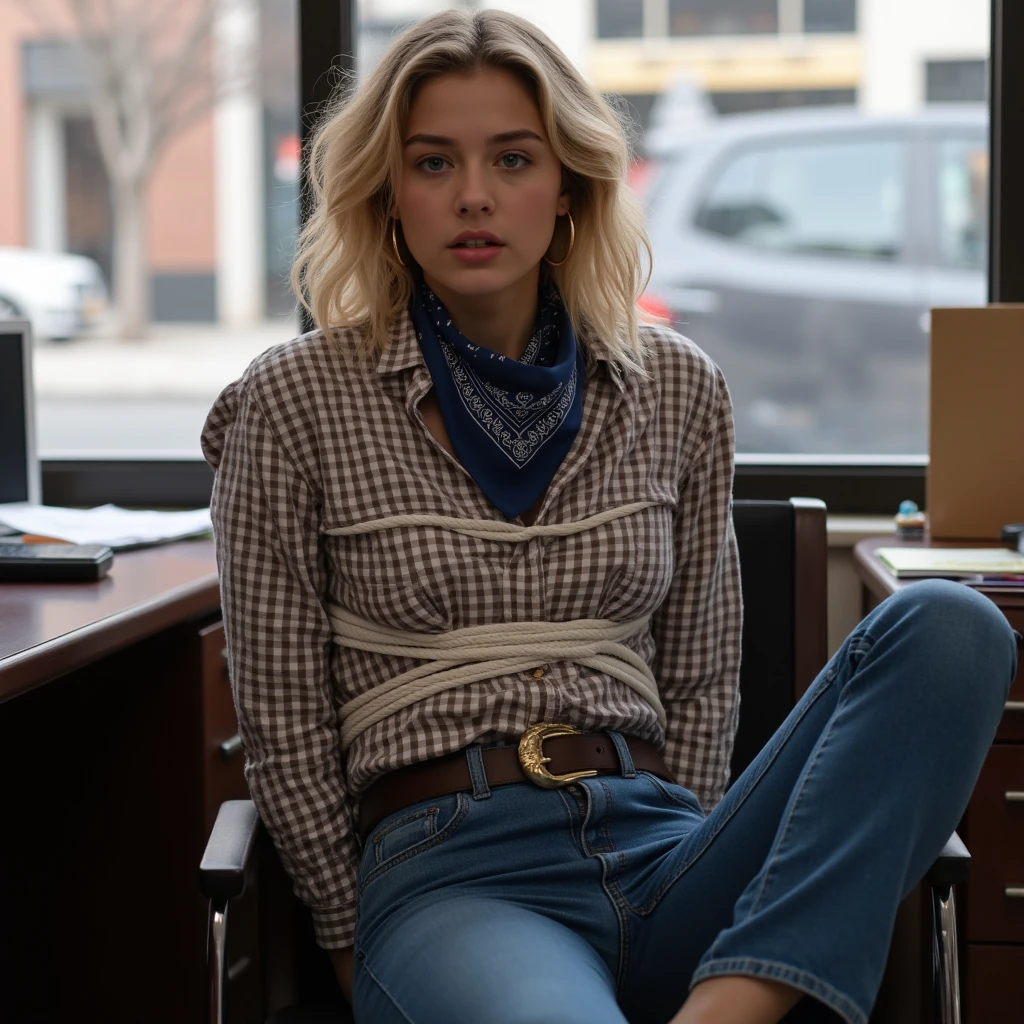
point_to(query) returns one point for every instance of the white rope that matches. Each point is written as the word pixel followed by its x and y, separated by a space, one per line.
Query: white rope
pixel 475 653
pixel 488 529
pixel 463 656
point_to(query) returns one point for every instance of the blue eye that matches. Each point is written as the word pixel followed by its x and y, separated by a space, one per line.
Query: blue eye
pixel 433 163
pixel 506 157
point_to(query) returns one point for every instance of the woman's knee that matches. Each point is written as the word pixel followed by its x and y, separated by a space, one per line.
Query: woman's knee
pixel 958 632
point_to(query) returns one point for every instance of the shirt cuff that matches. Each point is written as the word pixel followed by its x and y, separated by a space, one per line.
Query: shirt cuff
pixel 335 926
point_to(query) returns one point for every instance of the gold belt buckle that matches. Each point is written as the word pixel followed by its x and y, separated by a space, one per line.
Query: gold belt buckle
pixel 531 755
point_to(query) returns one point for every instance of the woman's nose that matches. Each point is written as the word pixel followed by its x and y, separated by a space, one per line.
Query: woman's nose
pixel 474 194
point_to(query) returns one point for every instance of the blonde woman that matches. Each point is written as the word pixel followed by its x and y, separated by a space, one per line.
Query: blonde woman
pixel 481 593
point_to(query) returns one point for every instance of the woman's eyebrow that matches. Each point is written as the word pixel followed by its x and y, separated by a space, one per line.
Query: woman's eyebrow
pixel 491 140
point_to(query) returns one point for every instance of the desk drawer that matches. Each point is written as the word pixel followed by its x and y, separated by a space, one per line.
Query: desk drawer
pixel 995 984
pixel 995 892
pixel 1012 726
pixel 223 759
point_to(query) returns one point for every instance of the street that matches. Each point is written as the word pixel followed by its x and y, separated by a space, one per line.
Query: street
pixel 102 395
pixel 92 428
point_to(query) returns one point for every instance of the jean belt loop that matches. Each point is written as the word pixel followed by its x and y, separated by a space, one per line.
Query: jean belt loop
pixel 625 757
pixel 477 772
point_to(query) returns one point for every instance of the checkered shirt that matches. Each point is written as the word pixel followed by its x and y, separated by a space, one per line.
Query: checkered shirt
pixel 301 444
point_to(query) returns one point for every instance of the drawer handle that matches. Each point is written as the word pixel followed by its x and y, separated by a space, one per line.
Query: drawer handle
pixel 1014 796
pixel 238 968
pixel 1015 892
pixel 1015 705
pixel 230 747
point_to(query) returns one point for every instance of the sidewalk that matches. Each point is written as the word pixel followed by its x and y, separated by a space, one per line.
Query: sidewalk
pixel 176 361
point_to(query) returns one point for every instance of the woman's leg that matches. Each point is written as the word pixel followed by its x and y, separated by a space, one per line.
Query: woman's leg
pixel 796 875
pixel 470 960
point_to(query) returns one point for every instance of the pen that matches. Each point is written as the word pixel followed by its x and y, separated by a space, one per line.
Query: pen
pixel 38 538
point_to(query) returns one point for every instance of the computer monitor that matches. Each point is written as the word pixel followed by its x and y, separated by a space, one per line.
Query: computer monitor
pixel 20 479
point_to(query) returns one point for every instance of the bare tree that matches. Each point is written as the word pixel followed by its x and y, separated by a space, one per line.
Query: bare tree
pixel 154 67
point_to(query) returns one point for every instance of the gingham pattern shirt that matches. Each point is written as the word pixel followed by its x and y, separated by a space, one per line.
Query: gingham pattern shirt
pixel 301 444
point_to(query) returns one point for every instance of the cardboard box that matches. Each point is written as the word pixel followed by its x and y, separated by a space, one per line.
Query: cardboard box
pixel 976 463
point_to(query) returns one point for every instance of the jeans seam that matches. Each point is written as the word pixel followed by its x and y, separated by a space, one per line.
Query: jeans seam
pixel 606 828
pixel 806 982
pixel 621 907
pixel 651 905
pixel 777 847
pixel 387 995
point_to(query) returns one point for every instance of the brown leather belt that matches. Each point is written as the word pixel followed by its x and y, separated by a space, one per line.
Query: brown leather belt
pixel 503 765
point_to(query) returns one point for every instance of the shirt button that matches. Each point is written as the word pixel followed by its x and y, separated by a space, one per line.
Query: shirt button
pixel 538 673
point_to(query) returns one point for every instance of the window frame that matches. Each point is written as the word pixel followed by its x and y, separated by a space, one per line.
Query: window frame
pixel 851 485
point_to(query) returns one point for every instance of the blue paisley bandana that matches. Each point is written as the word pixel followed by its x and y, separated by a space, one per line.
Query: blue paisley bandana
pixel 511 422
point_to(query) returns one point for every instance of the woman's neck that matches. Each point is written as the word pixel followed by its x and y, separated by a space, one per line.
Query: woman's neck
pixel 501 321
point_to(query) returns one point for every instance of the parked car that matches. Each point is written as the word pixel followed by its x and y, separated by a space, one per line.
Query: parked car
pixel 62 294
pixel 803 250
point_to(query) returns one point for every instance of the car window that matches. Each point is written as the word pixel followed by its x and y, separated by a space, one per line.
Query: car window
pixel 842 199
pixel 962 170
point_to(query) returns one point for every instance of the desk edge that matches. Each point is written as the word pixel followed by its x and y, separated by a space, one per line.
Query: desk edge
pixel 37 665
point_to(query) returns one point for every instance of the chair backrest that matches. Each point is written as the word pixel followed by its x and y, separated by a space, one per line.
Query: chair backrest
pixel 783 564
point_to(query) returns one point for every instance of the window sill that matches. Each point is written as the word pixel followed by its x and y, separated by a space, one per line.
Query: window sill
pixel 845 531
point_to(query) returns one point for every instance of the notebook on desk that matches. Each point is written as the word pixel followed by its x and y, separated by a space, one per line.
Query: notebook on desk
pixel 951 563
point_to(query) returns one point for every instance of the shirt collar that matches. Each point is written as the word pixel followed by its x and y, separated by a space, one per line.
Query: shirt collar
pixel 404 351
pixel 403 348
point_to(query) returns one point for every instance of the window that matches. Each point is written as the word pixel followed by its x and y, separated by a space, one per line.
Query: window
pixel 722 17
pixel 186 247
pixel 962 173
pixel 620 19
pixel 149 394
pixel 837 199
pixel 794 275
pixel 956 81
pixel 830 15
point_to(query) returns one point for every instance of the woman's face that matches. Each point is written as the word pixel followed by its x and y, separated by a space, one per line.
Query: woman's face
pixel 477 164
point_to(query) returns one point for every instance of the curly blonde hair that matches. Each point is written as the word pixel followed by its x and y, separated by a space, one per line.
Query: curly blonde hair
pixel 346 273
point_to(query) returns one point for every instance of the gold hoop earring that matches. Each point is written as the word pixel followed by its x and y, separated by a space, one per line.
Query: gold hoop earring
pixel 572 242
pixel 394 243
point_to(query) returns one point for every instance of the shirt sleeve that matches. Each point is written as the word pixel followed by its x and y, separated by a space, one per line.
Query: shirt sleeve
pixel 266 519
pixel 697 627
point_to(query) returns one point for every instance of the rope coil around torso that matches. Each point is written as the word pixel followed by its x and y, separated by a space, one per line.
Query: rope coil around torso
pixel 474 653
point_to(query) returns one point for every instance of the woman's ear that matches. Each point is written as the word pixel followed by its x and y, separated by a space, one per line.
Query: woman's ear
pixel 565 196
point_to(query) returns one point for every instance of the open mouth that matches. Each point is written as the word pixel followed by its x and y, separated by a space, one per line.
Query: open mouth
pixel 476 243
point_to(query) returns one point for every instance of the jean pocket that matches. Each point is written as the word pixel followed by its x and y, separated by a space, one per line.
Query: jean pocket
pixel 411 832
pixel 673 792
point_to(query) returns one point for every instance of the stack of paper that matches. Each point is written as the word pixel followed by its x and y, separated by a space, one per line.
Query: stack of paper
pixel 118 528
pixel 954 563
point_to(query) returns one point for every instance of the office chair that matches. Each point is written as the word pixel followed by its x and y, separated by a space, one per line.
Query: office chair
pixel 783 555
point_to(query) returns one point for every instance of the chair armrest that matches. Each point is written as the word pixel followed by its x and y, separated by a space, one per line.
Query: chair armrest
pixel 225 863
pixel 952 865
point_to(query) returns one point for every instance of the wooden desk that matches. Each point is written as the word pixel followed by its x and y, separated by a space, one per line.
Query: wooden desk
pixel 991 919
pixel 114 703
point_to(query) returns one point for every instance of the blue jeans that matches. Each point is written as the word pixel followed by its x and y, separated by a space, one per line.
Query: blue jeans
pixel 608 900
